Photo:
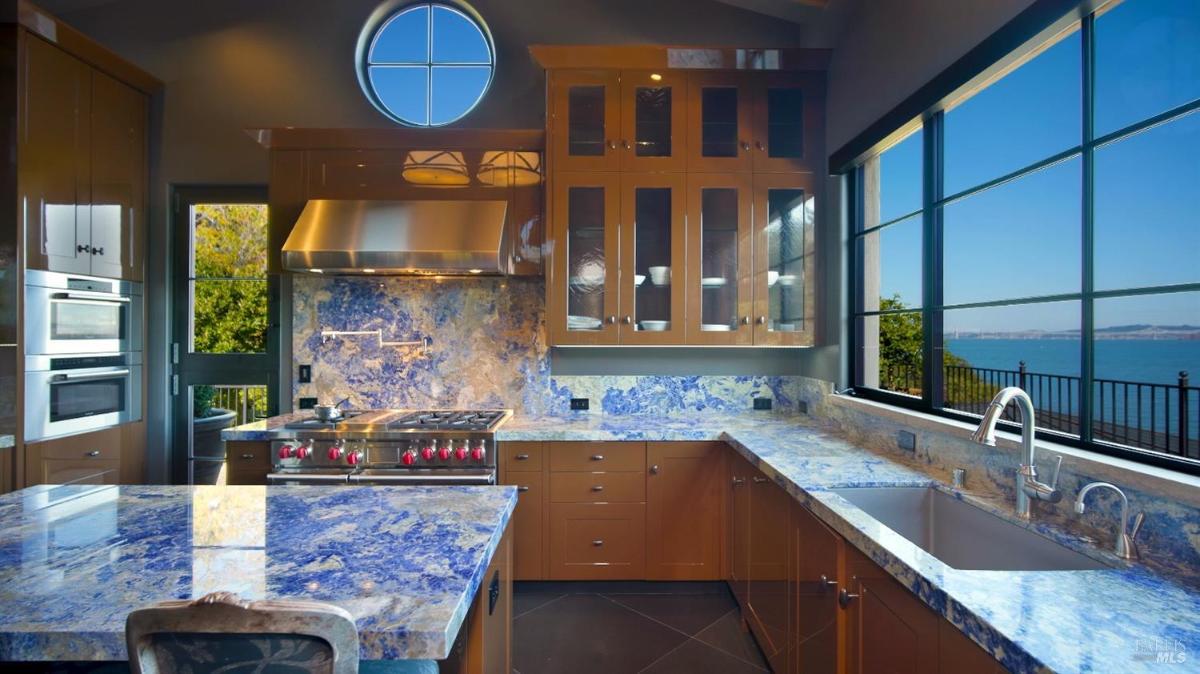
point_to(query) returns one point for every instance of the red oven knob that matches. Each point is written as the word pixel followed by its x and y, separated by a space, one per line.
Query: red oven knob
pixel 444 453
pixel 286 451
pixel 460 453
pixel 410 457
pixel 335 452
pixel 354 458
pixel 479 453
pixel 427 453
pixel 304 451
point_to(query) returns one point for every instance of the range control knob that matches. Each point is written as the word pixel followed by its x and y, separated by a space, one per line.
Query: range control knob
pixel 354 458
pixel 479 453
pixel 428 451
pixel 286 451
pixel 304 451
pixel 461 452
pixel 335 452
pixel 444 452
pixel 409 457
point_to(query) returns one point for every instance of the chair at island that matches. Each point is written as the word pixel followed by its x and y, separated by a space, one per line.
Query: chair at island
pixel 223 632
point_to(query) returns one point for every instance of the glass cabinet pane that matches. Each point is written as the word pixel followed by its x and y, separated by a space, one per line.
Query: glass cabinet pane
pixel 652 258
pixel 586 262
pixel 789 214
pixel 785 122
pixel 585 121
pixel 718 259
pixel 652 114
pixel 719 122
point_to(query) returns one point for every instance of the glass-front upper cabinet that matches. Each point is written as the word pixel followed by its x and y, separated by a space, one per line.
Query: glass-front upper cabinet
pixel 584 275
pixel 720 107
pixel 784 218
pixel 719 261
pixel 586 125
pixel 787 122
pixel 653 120
pixel 653 255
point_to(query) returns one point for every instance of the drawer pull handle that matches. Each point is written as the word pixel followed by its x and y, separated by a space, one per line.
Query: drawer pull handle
pixel 845 597
pixel 759 480
pixel 94 452
pixel 598 542
pixel 739 481
pixel 522 457
pixel 654 469
pixel 825 582
pixel 248 457
pixel 522 488
pixel 597 487
pixel 597 457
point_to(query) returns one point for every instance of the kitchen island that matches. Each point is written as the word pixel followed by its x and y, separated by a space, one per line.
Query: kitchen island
pixel 407 562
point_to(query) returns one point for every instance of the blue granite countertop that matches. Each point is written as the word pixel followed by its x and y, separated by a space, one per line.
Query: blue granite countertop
pixel 404 561
pixel 7 441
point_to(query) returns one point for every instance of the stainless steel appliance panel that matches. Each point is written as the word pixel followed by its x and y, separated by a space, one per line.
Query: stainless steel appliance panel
pixel 72 314
pixel 71 395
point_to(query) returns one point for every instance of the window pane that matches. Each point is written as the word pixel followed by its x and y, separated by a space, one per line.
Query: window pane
pixel 1143 344
pixel 403 90
pixel 1019 239
pixel 229 241
pixel 403 39
pixel 889 352
pixel 899 179
pixel 1028 115
pixel 244 404
pixel 1034 346
pixel 890 262
pixel 1147 223
pixel 456 39
pixel 1147 60
pixel 229 316
pixel 455 91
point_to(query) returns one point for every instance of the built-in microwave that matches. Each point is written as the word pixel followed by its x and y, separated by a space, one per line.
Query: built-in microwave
pixel 65 395
pixel 72 314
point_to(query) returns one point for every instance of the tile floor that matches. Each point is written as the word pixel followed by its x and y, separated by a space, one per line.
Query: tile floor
pixel 628 628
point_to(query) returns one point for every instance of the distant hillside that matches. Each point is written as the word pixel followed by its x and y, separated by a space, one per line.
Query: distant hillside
pixel 1136 331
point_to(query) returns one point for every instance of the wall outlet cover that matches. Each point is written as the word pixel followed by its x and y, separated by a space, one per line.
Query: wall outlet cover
pixel 907 441
pixel 579 403
pixel 802 406
pixel 305 374
pixel 308 403
pixel 762 403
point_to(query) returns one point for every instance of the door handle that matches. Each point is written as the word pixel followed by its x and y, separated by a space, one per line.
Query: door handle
pixel 654 469
pixel 610 320
pixel 597 457
pixel 624 143
pixel 522 488
pixel 83 248
pixel 739 481
pixel 612 144
pixel 745 320
pixel 597 487
pixel 759 480
pixel 98 251
pixel 745 146
pixel 94 453
pixel 248 457
pixel 598 542
pixel 521 457
pixel 761 320
pixel 627 320
pixel 111 374
pixel 826 583
pixel 759 144
pixel 845 597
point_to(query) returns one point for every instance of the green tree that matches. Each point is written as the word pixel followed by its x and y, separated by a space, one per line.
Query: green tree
pixel 901 357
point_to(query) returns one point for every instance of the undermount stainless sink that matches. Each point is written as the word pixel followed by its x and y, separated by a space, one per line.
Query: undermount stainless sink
pixel 961 535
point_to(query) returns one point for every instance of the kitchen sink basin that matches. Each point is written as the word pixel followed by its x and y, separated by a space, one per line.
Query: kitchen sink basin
pixel 961 535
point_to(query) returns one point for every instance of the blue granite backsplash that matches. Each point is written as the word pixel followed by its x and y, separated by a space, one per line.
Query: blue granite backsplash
pixel 489 349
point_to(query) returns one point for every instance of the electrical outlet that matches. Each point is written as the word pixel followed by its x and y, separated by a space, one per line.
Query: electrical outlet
pixel 579 403
pixel 802 406
pixel 305 374
pixel 907 441
pixel 762 403
pixel 308 403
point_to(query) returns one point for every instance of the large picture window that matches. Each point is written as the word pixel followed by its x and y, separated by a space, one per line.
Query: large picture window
pixel 1042 230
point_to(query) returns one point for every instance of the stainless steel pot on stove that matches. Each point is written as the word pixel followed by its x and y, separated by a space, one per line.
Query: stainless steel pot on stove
pixel 329 412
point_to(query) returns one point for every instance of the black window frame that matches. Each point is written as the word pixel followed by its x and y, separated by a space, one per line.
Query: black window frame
pixel 1023 38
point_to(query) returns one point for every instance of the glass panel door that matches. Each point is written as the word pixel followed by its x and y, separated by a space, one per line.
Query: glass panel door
pixel 652 259
pixel 784 210
pixel 585 123
pixel 584 294
pixel 786 123
pixel 719 130
pixel 718 292
pixel 653 117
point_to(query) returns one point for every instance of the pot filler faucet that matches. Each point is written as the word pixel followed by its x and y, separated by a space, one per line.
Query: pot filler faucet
pixel 1028 486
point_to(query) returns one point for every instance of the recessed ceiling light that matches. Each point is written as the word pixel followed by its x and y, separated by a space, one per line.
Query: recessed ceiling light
pixel 475 271
pixel 368 271
pixel 656 77
pixel 316 271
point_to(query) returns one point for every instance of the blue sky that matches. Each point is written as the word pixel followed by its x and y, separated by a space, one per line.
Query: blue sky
pixel 1023 239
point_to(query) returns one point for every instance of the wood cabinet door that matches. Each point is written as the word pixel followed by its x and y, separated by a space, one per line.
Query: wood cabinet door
pixel 527 528
pixel 739 526
pixel 684 502
pixel 767 591
pixel 719 293
pixel 784 260
pixel 719 127
pixel 582 287
pixel 788 122
pixel 887 628
pixel 119 178
pixel 247 462
pixel 653 258
pixel 54 158
pixel 585 120
pixel 653 120
pixel 818 563
pixel 133 453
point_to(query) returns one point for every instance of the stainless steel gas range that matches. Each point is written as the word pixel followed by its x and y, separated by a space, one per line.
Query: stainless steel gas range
pixel 390 447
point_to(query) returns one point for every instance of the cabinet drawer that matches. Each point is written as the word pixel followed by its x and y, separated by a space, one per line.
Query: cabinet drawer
pixel 597 456
pixel 521 456
pixel 75 471
pixel 247 462
pixel 102 445
pixel 624 487
pixel 597 541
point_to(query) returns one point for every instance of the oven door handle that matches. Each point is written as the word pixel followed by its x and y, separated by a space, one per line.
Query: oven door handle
pixel 311 478
pixel 89 376
pixel 91 297
pixel 483 478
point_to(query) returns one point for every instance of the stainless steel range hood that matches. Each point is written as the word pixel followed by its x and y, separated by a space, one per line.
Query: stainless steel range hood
pixel 334 236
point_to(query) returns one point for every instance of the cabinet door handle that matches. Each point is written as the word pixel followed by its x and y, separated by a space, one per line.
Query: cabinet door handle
pixel 761 320
pixel 83 248
pixel 610 320
pixel 759 144
pixel 745 320
pixel 624 143
pixel 521 457
pixel 597 457
pixel 612 144
pixel 759 480
pixel 627 320
pixel 845 597
pixel 745 146
pixel 522 488
pixel 654 469
pixel 94 452
pixel 739 481
pixel 598 542
pixel 825 582
pixel 248 457
pixel 597 487
pixel 98 251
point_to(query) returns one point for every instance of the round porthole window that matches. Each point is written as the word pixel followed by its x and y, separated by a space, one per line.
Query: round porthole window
pixel 425 64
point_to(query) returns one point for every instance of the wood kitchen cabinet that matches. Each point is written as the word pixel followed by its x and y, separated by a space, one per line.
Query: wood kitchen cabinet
pixel 817 554
pixel 82 165
pixel 784 260
pixel 738 526
pixel 719 278
pixel 484 643
pixel 87 458
pixel 585 120
pixel 788 122
pixel 719 122
pixel 247 462
pixel 887 628
pixel 768 593
pixel 521 465
pixel 684 509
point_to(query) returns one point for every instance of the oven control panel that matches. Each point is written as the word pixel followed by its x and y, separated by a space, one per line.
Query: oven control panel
pixel 415 452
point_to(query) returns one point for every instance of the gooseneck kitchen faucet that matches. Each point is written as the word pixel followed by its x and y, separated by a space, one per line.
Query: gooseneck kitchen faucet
pixel 1028 486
